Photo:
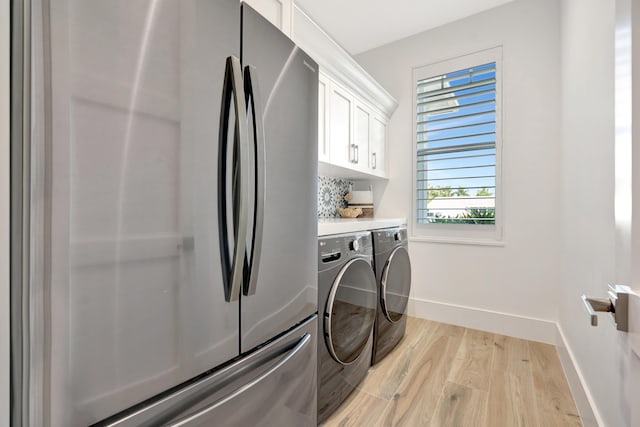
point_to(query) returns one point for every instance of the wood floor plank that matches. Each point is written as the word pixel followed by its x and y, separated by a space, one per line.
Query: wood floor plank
pixel 360 409
pixel 416 329
pixel 511 355
pixel 511 400
pixel 449 330
pixel 417 396
pixel 472 365
pixel 460 406
pixel 555 404
pixel 386 376
pixel 384 379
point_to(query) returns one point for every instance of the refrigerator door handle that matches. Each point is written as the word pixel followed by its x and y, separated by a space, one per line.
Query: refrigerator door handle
pixel 252 94
pixel 232 270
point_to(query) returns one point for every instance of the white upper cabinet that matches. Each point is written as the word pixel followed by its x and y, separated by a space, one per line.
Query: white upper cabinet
pixel 278 12
pixel 354 109
pixel 352 135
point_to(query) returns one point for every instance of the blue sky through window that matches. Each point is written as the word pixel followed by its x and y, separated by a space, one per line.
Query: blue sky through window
pixel 456 133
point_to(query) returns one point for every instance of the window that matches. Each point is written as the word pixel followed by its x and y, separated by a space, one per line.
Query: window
pixel 457 136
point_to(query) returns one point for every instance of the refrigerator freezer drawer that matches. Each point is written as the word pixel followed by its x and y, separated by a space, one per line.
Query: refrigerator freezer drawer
pixel 274 386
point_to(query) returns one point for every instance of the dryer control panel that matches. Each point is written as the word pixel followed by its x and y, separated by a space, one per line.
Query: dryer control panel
pixel 391 235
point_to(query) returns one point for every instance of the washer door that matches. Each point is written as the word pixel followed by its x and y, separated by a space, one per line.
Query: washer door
pixel 350 311
pixel 396 284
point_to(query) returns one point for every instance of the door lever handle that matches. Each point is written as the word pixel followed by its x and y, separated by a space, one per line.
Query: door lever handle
pixel 617 304
pixel 594 305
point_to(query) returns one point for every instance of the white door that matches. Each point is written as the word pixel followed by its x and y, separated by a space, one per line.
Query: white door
pixel 635 356
pixel 632 257
pixel 628 267
pixel 627 180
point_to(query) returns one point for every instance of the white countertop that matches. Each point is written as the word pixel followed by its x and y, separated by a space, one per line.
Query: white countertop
pixel 327 226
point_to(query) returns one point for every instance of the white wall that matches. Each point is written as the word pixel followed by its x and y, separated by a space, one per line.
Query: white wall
pixel 589 244
pixel 520 278
pixel 4 213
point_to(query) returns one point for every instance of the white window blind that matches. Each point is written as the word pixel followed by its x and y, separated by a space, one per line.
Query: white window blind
pixel 456 147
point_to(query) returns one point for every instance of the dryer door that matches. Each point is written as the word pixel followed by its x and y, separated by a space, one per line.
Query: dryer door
pixel 350 311
pixel 396 284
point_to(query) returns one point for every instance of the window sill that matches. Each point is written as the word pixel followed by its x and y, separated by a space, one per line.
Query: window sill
pixel 454 241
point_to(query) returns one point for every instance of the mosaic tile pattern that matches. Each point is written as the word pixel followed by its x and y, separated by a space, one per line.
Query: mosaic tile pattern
pixel 331 192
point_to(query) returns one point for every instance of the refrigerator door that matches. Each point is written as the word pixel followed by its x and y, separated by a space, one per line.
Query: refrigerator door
pixel 281 287
pixel 137 298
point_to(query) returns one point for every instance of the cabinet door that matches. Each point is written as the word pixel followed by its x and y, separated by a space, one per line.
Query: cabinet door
pixel 323 115
pixel 340 113
pixel 361 133
pixel 278 12
pixel 377 157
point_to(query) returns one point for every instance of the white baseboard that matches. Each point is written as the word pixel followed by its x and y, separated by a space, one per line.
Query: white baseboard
pixel 491 321
pixel 584 401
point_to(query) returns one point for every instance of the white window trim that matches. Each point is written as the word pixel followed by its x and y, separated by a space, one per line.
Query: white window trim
pixel 460 233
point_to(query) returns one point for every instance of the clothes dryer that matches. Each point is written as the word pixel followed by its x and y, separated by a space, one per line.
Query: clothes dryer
pixel 393 275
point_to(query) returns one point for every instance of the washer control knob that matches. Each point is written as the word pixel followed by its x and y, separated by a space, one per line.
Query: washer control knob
pixel 397 236
pixel 354 246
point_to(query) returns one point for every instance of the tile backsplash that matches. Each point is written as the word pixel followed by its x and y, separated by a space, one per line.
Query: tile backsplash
pixel 331 192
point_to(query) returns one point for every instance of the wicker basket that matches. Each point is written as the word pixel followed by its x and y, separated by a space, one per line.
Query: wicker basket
pixel 367 209
pixel 349 212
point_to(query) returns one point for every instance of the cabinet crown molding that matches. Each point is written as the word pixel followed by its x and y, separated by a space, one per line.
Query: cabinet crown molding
pixel 338 64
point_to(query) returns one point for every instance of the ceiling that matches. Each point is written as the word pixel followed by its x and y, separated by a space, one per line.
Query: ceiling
pixel 360 25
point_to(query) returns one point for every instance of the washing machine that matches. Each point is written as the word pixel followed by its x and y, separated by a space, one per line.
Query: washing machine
pixel 393 276
pixel 347 300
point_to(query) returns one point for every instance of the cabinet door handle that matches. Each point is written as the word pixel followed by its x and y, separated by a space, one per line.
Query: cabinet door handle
pixel 356 154
pixel 373 158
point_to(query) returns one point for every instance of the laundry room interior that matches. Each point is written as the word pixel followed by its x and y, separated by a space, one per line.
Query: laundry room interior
pixel 559 148
pixel 301 213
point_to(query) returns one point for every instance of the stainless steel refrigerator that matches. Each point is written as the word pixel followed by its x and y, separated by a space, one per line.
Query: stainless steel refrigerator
pixel 164 167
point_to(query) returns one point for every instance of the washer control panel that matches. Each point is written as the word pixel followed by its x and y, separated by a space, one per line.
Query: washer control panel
pixel 339 247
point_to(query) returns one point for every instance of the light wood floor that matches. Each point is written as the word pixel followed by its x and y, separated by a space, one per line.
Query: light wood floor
pixel 444 375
